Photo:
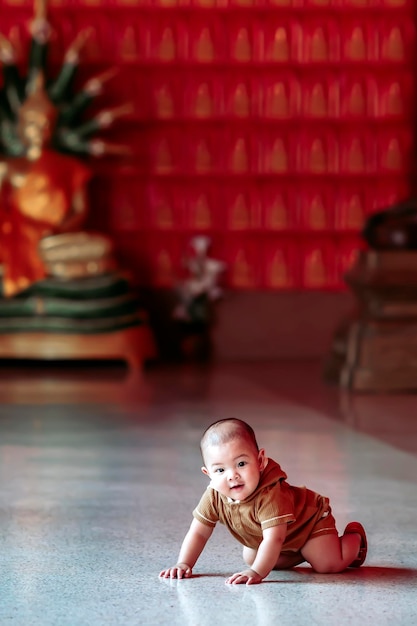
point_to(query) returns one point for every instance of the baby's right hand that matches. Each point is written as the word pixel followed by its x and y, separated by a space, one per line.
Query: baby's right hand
pixel 180 570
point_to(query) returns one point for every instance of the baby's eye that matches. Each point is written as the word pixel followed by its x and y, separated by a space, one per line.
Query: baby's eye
pixel 241 464
pixel 219 470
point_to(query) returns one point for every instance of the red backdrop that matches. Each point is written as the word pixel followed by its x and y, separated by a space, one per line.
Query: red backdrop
pixel 274 126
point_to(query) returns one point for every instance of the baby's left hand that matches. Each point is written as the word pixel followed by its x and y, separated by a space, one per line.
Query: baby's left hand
pixel 248 577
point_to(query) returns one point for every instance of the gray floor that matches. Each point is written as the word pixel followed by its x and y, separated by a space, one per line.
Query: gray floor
pixel 100 471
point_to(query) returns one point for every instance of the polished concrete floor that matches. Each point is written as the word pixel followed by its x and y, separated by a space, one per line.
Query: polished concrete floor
pixel 100 471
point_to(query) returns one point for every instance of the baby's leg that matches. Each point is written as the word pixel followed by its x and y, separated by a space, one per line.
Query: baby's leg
pixel 249 555
pixel 287 561
pixel 330 553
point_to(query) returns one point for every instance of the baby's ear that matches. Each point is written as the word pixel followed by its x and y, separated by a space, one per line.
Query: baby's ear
pixel 262 459
pixel 205 470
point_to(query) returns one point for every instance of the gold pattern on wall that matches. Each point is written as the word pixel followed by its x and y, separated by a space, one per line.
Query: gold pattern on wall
pixel 314 269
pixel 242 271
pixel 277 104
pixel 317 214
pixel 241 101
pixel 164 218
pixel 278 158
pixel 164 161
pixel 356 157
pixel 128 46
pixel 318 50
pixel 393 100
pixel 205 48
pixel 201 214
pixel 318 104
pixel 277 217
pixel 393 156
pixel 242 50
pixel 206 3
pixel 278 273
pixel 164 102
pixel 356 46
pixel 167 48
pixel 357 102
pixel 317 160
pixel 393 46
pixel 239 158
pixel 240 214
pixel 354 217
pixel 280 47
pixel 203 160
pixel 203 103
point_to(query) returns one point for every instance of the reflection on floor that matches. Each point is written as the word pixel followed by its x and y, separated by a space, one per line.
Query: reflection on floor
pixel 100 471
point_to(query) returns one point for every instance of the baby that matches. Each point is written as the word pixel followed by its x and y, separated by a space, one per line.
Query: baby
pixel 279 525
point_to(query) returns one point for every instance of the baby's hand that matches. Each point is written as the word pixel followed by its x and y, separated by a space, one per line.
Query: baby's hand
pixel 248 576
pixel 180 570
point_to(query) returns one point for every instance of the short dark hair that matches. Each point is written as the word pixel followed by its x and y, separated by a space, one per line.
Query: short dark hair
pixel 225 430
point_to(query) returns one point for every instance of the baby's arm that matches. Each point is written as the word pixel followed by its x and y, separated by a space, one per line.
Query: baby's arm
pixel 192 547
pixel 266 557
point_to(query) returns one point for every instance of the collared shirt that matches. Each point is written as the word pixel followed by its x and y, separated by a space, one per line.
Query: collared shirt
pixel 273 502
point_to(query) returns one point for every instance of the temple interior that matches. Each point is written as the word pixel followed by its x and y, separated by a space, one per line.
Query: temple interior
pixel 207 210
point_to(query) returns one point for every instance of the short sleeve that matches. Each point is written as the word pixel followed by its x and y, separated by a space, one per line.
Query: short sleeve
pixel 275 506
pixel 206 511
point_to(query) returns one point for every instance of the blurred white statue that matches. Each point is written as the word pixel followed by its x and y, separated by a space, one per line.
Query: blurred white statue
pixel 201 287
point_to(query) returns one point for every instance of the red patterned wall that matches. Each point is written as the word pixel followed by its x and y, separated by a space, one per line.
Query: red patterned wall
pixel 275 126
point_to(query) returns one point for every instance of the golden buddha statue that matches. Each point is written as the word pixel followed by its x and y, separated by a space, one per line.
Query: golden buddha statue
pixel 42 186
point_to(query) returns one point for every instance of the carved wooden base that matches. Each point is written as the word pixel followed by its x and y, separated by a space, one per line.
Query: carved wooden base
pixel 376 350
pixel 134 345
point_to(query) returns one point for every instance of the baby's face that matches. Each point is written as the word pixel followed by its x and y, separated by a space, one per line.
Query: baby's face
pixel 234 468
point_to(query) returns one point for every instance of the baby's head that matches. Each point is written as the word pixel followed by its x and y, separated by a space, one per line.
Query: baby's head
pixel 226 430
pixel 232 458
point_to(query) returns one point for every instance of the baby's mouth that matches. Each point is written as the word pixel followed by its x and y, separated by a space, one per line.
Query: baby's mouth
pixel 236 487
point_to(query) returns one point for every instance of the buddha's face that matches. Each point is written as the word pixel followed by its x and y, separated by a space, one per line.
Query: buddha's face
pixel 36 129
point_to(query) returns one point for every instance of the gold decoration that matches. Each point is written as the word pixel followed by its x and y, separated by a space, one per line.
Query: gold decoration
pixel 164 161
pixel 356 46
pixel 239 159
pixel 394 101
pixel 357 101
pixel 318 104
pixel 314 269
pixel 205 46
pixel 319 51
pixel 279 159
pixel 393 45
pixel 242 272
pixel 167 47
pixel 278 215
pixel 278 273
pixel 203 161
pixel 241 101
pixel 280 46
pixel 317 214
pixel 240 216
pixel 202 213
pixel 392 159
pixel 317 160
pixel 277 101
pixel 242 50
pixel 356 157
pixel 128 44
pixel 203 105
pixel 164 102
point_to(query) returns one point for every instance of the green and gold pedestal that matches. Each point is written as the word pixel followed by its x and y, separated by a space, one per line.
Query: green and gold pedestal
pixel 87 318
